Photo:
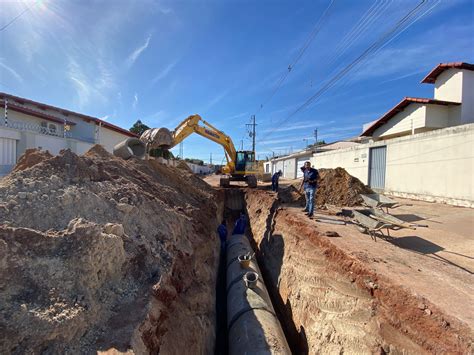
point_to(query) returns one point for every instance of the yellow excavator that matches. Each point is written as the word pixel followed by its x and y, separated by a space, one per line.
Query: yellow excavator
pixel 241 165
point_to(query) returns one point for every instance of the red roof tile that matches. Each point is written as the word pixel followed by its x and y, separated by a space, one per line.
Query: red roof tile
pixel 432 75
pixel 400 107
pixel 66 112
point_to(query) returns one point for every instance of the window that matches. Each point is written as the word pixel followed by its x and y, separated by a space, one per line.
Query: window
pixel 44 127
pixel 52 128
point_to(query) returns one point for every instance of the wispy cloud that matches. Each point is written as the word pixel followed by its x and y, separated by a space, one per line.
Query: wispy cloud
pixel 300 125
pixel 243 114
pixel 90 86
pixel 11 71
pixel 80 82
pixel 135 101
pixel 162 74
pixel 215 100
pixel 138 51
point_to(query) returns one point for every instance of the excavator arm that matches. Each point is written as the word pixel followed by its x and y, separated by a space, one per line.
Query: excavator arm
pixel 193 124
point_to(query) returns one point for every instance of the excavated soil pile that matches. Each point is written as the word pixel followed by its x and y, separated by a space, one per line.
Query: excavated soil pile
pixel 335 187
pixel 31 158
pixel 99 253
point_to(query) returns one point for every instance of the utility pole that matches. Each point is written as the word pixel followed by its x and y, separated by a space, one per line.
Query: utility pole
pixel 241 144
pixel 251 127
pixel 316 136
pixel 210 160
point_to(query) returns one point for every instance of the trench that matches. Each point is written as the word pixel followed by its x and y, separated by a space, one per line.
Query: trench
pixel 324 301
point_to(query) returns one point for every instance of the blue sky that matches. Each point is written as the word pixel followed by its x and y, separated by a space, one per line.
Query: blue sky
pixel 160 61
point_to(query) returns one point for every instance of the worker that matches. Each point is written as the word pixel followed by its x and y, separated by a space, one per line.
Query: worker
pixel 309 184
pixel 275 179
pixel 240 224
pixel 222 231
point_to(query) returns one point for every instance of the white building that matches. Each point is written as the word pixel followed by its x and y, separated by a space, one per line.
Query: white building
pixel 422 148
pixel 28 124
pixel 452 105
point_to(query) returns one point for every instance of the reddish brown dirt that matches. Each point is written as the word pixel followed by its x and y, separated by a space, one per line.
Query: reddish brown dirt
pixel 30 158
pixel 98 254
pixel 334 300
pixel 335 187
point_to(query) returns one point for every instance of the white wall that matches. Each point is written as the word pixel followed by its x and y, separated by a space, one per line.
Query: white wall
pixel 448 86
pixel 108 138
pixel 437 116
pixel 432 166
pixel 402 123
pixel 437 165
pixel 354 160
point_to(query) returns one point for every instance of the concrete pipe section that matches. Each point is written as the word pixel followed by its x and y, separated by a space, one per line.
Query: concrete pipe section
pixel 130 147
pixel 253 326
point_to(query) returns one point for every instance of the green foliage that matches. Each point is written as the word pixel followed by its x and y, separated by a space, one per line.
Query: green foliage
pixel 139 128
pixel 161 153
pixel 195 161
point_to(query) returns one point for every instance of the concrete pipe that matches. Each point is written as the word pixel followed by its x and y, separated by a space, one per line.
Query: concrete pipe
pixel 253 326
pixel 130 147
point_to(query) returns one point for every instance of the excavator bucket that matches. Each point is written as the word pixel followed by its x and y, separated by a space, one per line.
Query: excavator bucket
pixel 157 138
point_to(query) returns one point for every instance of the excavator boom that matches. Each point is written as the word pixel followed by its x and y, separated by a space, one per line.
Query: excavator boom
pixel 240 165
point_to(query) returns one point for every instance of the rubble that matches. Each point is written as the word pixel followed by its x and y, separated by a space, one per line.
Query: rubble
pixel 99 253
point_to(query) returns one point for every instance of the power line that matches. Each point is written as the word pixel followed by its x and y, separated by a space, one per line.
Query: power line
pixel 317 28
pixel 382 40
pixel 370 17
pixel 28 8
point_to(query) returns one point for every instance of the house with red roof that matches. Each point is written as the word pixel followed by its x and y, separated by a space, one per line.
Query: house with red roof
pixel 28 124
pixel 452 105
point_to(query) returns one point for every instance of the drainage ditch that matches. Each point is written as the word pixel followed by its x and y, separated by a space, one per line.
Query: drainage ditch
pixel 326 301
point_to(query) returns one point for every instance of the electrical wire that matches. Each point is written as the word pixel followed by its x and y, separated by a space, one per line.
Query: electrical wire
pixel 28 8
pixel 381 41
pixel 317 28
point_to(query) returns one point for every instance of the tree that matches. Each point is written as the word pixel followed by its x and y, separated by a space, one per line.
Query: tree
pixel 195 161
pixel 139 127
pixel 163 153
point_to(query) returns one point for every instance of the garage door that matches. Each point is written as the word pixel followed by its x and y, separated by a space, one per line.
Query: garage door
pixel 7 155
pixel 299 164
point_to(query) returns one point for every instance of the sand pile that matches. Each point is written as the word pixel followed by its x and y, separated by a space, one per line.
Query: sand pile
pixel 98 253
pixel 335 187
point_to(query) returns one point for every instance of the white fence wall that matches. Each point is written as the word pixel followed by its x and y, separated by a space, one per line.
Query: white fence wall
pixel 433 166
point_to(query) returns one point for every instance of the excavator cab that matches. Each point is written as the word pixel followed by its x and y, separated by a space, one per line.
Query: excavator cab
pixel 245 169
pixel 245 160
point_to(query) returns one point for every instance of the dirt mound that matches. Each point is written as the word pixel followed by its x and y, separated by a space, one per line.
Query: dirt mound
pixel 335 187
pixel 98 151
pixel 99 253
pixel 30 158
pixel 184 166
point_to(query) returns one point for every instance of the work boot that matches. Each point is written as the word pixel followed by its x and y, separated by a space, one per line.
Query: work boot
pixel 305 210
pixel 310 215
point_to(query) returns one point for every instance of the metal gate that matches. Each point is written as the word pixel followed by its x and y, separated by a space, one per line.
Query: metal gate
pixel 377 167
pixel 7 155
